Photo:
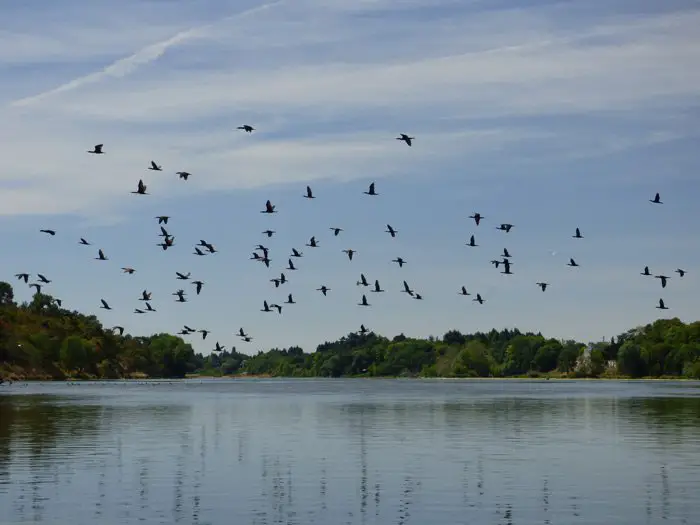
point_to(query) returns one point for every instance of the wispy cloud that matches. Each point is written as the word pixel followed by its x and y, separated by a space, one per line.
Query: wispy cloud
pixel 328 85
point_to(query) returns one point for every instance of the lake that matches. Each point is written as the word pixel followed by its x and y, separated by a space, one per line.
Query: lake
pixel 350 451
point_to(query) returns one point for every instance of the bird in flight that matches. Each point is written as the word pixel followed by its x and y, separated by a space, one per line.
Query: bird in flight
pixel 371 191
pixel 141 189
pixel 269 208
pixel 97 150
pixel 246 128
pixel 405 138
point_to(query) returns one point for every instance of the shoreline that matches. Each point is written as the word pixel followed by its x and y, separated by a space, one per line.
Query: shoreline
pixel 45 378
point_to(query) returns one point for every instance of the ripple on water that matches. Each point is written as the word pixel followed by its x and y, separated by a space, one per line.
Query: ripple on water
pixel 344 451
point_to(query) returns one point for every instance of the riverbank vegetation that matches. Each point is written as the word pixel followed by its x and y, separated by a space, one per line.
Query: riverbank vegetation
pixel 42 340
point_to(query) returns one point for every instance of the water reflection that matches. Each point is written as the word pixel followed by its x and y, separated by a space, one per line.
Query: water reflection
pixel 360 452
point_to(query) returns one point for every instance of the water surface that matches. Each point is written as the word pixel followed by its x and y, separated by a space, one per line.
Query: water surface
pixel 350 452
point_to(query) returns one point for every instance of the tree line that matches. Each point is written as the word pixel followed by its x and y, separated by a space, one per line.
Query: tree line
pixel 40 339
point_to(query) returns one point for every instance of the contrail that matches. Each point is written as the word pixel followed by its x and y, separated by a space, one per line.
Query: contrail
pixel 126 66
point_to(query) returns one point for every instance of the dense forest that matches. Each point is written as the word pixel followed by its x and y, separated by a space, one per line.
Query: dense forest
pixel 42 340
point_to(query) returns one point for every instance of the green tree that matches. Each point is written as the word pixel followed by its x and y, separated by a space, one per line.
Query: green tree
pixel 7 294
pixel 74 353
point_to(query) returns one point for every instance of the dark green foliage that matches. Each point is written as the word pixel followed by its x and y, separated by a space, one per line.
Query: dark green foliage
pixel 666 347
pixel 40 339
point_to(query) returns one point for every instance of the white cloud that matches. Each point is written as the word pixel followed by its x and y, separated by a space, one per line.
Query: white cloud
pixel 328 85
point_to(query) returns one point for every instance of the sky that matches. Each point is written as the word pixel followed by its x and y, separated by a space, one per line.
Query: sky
pixel 548 115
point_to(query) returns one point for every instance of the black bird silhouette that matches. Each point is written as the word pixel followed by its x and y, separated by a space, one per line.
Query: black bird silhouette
pixel 364 301
pixel 663 280
pixel 199 285
pixel 418 296
pixel 363 280
pixel 167 242
pixel 277 306
pixel 371 190
pixel 506 253
pixel 50 232
pixel 184 175
pixel 269 208
pixel 276 281
pixel 363 330
pixel 149 307
pixel 162 219
pixel 336 231
pixel 296 253
pixel 97 150
pixel 163 232
pixel 495 263
pixel 218 348
pixel 656 199
pixel 543 286
pixel 323 289
pixel 266 307
pixel 662 306
pixel 155 167
pixel 37 286
pixel 105 305
pixel 247 339
pixel 146 295
pixel 247 128
pixel 572 263
pixel 183 276
pixel 269 233
pixel 204 333
pixel 391 231
pixel 407 289
pixel 681 272
pixel 197 251
pixel 646 271
pixel 477 218
pixel 377 288
pixel 507 264
pixel 241 332
pixel 24 276
pixel 478 299
pixel 309 193
pixel 472 242
pixel 290 265
pixel 399 261
pixel 504 227
pixel 578 234
pixel 120 329
pixel 312 243
pixel 83 241
pixel 43 279
pixel 141 190
pixel 290 300
pixel 180 296
pixel 405 138
pixel 101 256
pixel 464 291
pixel 350 253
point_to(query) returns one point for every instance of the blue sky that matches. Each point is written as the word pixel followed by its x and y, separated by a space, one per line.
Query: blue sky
pixel 547 115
